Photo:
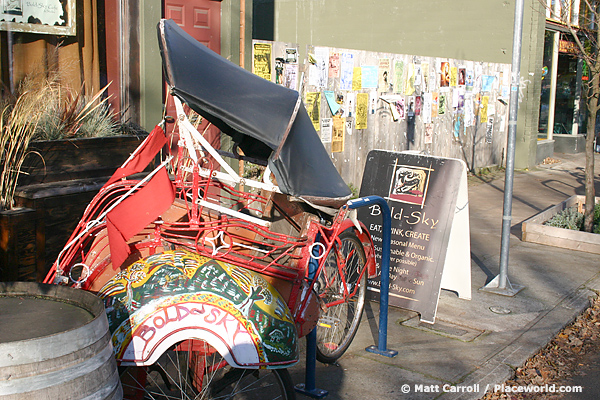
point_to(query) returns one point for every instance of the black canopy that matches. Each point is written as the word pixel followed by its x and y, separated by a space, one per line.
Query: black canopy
pixel 268 121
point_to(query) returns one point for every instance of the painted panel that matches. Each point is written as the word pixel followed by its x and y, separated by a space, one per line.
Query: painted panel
pixel 176 13
pixel 202 18
pixel 234 309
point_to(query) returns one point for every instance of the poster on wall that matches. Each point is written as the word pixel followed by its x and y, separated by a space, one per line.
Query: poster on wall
pixel 454 77
pixel 337 138
pixel 393 110
pixel 469 80
pixel 291 76
pixel 357 78
pixel 469 111
pixel 418 105
pixel 442 104
pixel 425 72
pixel 418 75
pixel 318 69
pixel 487 82
pixel 326 130
pixel 56 17
pixel 462 75
pixel 279 71
pixel 369 76
pixel 384 75
pixel 397 104
pixel 444 74
pixel 410 79
pixel 398 76
pixel 434 104
pixel 483 111
pixel 334 107
pixel 346 71
pixel 261 60
pixel 400 107
pixel 291 55
pixel 334 65
pixel 313 107
pixel 362 107
pixel 426 113
pixel 456 126
pixel 428 133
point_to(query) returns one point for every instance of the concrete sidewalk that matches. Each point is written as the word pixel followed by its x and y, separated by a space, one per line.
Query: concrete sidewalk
pixel 475 345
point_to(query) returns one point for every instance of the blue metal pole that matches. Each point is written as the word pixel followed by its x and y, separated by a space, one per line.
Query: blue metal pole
pixel 381 348
pixel 308 388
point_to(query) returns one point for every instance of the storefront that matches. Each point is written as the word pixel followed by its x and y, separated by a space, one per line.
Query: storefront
pixel 561 108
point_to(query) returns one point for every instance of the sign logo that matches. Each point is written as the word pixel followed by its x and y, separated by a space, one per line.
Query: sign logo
pixel 409 184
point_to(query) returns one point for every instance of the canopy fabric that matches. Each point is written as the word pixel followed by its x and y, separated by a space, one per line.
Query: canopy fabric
pixel 267 120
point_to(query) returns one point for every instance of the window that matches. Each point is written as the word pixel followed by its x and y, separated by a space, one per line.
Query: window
pixel 564 11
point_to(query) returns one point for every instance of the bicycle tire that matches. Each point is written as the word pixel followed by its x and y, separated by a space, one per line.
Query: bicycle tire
pixel 191 375
pixel 339 323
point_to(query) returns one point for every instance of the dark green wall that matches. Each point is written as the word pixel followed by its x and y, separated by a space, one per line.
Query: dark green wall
pixel 472 30
pixel 468 29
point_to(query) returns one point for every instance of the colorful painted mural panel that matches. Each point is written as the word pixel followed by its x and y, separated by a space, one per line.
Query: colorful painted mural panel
pixel 176 291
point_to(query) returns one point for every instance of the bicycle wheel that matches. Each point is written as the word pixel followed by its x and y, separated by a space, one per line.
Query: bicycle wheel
pixel 203 374
pixel 339 322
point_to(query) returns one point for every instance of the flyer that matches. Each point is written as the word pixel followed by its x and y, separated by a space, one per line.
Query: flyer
pixel 346 71
pixel 326 130
pixel 357 78
pixel 362 109
pixel 261 62
pixel 384 75
pixel 334 65
pixel 337 139
pixel 369 76
pixel 313 107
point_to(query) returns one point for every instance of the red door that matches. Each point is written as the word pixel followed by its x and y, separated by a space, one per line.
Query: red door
pixel 202 20
pixel 199 18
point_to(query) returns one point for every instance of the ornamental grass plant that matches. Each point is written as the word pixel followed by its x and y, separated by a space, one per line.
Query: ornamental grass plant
pixel 45 109
pixel 18 124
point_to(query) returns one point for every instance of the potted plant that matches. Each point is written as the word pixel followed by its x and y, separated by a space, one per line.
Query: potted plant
pixel 19 227
pixel 57 147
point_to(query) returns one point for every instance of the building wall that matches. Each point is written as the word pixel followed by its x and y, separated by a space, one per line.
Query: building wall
pixel 461 29
pixel 75 58
pixel 151 90
pixel 532 53
pixel 230 31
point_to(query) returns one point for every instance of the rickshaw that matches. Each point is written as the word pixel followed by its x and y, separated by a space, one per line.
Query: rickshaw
pixel 209 279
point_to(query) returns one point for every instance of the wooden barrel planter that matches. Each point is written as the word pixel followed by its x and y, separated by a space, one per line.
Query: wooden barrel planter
pixel 54 344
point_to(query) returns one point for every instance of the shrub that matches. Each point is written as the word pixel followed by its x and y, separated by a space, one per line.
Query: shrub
pixel 572 219
pixel 567 219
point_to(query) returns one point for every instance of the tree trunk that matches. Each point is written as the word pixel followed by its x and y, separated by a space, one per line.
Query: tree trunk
pixel 593 94
pixel 590 196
